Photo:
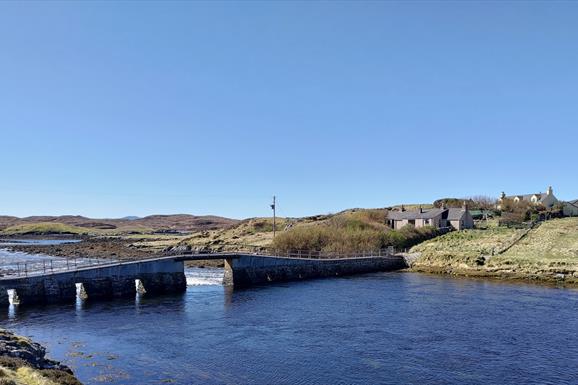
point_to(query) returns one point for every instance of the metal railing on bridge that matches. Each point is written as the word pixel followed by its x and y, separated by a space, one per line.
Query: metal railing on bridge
pixel 51 265
pixel 302 254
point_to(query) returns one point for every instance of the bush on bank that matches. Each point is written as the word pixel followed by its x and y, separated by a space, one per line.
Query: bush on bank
pixel 346 234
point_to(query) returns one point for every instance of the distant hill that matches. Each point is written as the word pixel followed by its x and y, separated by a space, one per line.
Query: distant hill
pixel 153 223
pixel 130 218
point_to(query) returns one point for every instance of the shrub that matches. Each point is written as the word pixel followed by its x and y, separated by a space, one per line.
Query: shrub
pixel 350 235
pixel 12 363
pixel 60 377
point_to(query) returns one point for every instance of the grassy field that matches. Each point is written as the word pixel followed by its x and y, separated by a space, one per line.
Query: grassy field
pixel 464 247
pixel 51 228
pixel 45 228
pixel 546 253
pixel 551 247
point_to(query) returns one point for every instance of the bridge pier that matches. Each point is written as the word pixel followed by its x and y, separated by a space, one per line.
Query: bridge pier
pixel 228 277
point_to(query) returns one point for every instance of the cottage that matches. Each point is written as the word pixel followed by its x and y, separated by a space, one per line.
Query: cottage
pixel 546 199
pixel 456 218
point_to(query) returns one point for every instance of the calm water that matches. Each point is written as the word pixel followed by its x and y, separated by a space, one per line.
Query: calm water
pixel 387 328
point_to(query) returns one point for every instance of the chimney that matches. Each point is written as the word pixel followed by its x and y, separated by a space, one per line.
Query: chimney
pixel 420 210
pixel 550 191
pixel 465 206
pixel 503 196
pixel 402 209
pixel 444 206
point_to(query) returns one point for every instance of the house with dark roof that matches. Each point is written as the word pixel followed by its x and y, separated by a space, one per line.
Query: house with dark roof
pixel 457 218
pixel 546 199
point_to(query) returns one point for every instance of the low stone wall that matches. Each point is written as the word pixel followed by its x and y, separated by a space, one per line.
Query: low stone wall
pixel 158 277
pixel 247 270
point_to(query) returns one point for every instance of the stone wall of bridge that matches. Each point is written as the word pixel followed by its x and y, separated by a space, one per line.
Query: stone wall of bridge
pixel 157 277
pixel 247 270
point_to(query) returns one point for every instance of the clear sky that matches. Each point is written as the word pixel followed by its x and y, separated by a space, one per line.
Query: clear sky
pixel 110 109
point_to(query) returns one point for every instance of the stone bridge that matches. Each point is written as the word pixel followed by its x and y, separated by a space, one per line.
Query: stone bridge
pixel 165 274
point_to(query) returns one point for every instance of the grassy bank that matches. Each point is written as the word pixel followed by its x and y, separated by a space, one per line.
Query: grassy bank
pixel 548 253
pixel 23 362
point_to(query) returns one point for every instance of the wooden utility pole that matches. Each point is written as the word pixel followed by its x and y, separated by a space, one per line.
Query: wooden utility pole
pixel 273 206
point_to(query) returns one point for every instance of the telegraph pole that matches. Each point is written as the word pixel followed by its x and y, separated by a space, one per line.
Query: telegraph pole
pixel 273 207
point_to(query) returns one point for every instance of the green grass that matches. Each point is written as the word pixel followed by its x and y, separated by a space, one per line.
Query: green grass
pixel 61 228
pixel 467 243
pixel 550 248
pixel 44 228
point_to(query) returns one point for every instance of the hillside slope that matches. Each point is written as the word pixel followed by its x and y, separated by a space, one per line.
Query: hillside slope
pixel 351 230
pixel 548 252
pixel 259 231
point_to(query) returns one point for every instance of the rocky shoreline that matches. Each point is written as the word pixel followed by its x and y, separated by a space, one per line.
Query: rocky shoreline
pixel 548 279
pixel 24 362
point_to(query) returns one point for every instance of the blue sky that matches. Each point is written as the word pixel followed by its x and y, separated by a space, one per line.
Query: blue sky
pixel 110 109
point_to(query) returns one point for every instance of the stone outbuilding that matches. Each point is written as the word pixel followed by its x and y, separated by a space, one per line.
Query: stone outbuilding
pixel 571 208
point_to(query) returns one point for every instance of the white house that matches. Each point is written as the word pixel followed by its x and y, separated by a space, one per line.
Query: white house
pixel 546 199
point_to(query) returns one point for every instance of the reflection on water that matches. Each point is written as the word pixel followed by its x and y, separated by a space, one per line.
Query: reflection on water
pixel 386 328
pixel 12 311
